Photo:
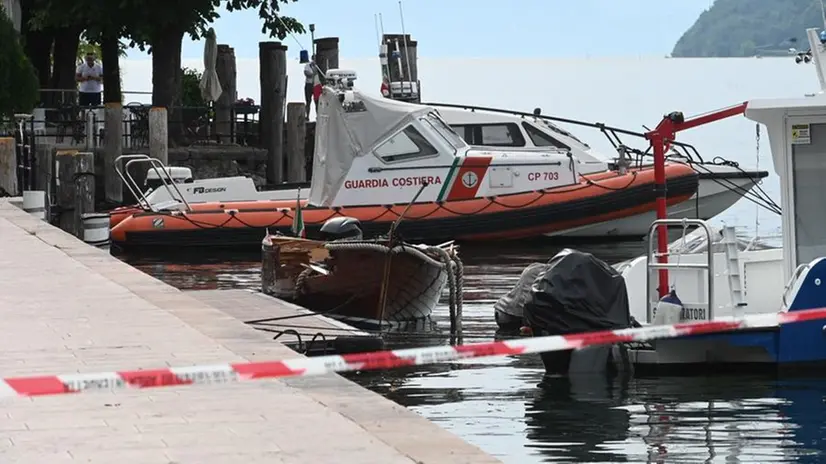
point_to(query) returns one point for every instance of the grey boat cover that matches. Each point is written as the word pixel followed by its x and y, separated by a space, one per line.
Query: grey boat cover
pixel 577 293
pixel 513 302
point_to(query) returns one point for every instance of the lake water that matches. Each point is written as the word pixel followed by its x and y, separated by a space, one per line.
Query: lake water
pixel 502 404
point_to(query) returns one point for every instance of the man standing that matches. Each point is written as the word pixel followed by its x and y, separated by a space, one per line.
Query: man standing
pixel 309 81
pixel 312 85
pixel 90 77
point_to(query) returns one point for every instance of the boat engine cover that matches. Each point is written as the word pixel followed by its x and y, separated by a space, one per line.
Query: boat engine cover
pixel 577 292
pixel 341 228
pixel 508 310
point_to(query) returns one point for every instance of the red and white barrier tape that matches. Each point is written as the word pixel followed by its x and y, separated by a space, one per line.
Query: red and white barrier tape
pixel 237 372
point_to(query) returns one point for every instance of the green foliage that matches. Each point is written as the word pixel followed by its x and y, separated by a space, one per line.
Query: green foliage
pixel 18 80
pixel 85 46
pixel 191 89
pixel 749 28
pixel 142 21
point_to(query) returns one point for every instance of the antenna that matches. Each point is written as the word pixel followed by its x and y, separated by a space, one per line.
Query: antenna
pixel 378 37
pixel 757 207
pixel 406 49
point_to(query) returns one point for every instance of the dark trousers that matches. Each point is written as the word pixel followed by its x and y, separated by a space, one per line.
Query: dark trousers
pixel 308 97
pixel 88 99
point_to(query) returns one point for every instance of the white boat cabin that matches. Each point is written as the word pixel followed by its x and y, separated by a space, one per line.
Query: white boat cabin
pixel 511 131
pixel 376 151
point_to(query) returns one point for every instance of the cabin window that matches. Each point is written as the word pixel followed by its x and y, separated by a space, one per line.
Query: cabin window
pixel 438 125
pixel 560 131
pixel 404 146
pixel 494 135
pixel 809 165
pixel 464 131
pixel 541 139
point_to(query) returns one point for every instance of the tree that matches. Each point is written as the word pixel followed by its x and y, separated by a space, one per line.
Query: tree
pixel 165 22
pixel 159 26
pixel 156 25
pixel 18 81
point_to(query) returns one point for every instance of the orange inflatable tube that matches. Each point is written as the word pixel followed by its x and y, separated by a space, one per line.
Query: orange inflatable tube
pixel 599 197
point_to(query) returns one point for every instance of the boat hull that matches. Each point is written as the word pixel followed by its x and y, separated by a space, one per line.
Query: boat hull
pixel 597 198
pixel 716 193
pixel 348 286
pixel 790 347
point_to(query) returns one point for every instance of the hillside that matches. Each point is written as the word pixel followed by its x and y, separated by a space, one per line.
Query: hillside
pixel 749 28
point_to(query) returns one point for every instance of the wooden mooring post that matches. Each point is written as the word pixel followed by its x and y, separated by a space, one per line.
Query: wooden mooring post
pixel 8 166
pixel 296 138
pixel 75 189
pixel 159 134
pixel 225 67
pixel 269 261
pixel 273 76
pixel 112 149
pixel 326 53
pixel 44 166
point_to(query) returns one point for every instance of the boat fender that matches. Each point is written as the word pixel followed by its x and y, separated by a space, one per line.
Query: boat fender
pixel 668 310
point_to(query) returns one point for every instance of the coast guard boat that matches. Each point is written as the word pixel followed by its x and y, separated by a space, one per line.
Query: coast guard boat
pixel 375 157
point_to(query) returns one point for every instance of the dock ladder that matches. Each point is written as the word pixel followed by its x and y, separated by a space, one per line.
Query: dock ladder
pixel 735 280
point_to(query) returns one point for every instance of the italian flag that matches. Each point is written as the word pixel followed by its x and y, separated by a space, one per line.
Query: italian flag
pixel 298 219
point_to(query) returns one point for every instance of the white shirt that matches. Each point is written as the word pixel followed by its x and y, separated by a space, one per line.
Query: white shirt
pixel 309 73
pixel 90 71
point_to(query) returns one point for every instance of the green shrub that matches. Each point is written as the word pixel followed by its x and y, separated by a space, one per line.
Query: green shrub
pixel 18 80
pixel 191 88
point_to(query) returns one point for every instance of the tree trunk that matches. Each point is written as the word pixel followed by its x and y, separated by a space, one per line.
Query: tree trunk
pixel 39 52
pixel 166 79
pixel 110 56
pixel 64 62
pixel 38 46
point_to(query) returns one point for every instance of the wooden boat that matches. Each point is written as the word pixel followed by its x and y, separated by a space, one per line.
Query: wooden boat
pixel 372 156
pixel 344 279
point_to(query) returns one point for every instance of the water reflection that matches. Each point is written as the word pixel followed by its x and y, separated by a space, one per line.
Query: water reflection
pixel 508 408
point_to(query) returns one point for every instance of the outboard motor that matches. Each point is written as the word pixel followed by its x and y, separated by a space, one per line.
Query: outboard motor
pixel 508 309
pixel 579 293
pixel 341 228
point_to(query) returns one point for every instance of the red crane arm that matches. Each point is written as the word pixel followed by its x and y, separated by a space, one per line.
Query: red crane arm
pixel 660 139
pixel 675 122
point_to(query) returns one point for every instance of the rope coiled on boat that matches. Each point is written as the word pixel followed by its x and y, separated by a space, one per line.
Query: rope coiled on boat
pixel 455 283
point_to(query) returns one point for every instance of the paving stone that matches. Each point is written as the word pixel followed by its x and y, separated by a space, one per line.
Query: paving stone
pixel 69 308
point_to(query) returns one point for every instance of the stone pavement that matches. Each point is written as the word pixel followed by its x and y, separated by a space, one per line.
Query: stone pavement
pixel 67 307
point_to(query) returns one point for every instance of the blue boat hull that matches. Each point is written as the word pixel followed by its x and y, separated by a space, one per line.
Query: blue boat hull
pixel 789 348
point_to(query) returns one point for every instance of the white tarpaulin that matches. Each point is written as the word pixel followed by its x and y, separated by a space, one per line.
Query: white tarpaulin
pixel 210 85
pixel 344 134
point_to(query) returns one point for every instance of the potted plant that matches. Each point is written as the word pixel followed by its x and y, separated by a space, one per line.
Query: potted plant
pixel 245 106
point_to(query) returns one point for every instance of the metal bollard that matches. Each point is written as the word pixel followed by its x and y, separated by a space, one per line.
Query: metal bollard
pixel 34 203
pixel 96 229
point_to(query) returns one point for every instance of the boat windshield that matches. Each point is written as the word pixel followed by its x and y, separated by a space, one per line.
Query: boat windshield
pixel 444 130
pixel 561 131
